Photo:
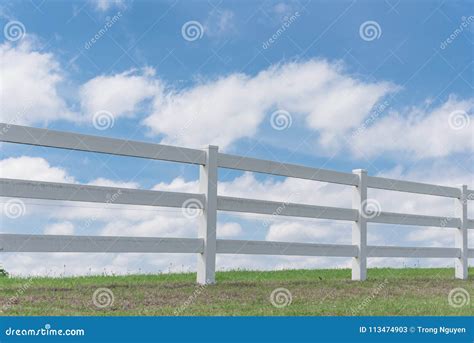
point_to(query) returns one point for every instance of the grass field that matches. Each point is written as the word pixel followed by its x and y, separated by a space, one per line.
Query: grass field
pixel 313 292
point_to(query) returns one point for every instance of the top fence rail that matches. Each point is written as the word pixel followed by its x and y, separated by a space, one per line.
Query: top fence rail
pixel 113 146
pixel 104 145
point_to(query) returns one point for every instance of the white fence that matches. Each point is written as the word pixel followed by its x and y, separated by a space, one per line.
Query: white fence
pixel 207 246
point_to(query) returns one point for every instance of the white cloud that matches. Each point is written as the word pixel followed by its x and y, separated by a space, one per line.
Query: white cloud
pixel 31 81
pixel 275 13
pixel 282 8
pixel 29 85
pixel 178 185
pixel 319 95
pixel 439 172
pixel 229 108
pixel 32 168
pixel 228 230
pixel 232 107
pixel 219 22
pixel 433 237
pixel 74 264
pixel 65 228
pixel 163 224
pixel 420 132
pixel 104 5
pixel 111 183
pixel 309 232
pixel 120 94
pixel 287 190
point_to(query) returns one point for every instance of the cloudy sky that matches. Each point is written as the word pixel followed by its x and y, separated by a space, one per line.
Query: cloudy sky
pixel 385 86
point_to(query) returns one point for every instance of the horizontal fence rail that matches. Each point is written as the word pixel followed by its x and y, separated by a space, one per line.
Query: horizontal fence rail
pixel 284 248
pixel 283 209
pixel 414 219
pixel 470 224
pixel 412 187
pixel 84 193
pixel 114 244
pixel 207 245
pixel 415 252
pixel 98 244
pixel 285 169
pixel 75 141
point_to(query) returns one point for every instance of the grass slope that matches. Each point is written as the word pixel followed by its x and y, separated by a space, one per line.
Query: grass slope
pixel 314 292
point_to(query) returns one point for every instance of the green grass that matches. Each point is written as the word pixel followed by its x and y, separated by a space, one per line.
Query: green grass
pixel 314 292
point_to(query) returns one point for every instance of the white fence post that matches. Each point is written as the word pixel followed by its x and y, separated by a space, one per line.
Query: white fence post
pixel 206 265
pixel 461 235
pixel 359 228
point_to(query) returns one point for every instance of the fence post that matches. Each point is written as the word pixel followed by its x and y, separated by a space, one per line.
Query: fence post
pixel 359 228
pixel 460 240
pixel 206 265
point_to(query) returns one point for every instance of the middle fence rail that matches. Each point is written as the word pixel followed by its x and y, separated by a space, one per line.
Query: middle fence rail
pixel 208 200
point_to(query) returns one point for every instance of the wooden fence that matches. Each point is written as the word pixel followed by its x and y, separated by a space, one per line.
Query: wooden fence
pixel 208 200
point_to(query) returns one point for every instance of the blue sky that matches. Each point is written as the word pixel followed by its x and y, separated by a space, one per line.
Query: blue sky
pixel 381 85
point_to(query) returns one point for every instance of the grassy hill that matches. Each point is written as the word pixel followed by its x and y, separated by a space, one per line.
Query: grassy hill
pixel 313 292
